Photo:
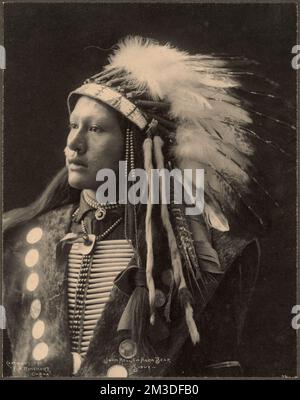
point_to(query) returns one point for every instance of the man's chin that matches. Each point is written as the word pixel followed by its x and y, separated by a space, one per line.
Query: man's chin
pixel 78 182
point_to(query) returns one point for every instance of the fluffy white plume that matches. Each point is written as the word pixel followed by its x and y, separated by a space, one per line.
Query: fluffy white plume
pixel 164 70
pixel 150 66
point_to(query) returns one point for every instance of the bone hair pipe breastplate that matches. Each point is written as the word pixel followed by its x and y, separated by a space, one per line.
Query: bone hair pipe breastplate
pixel 109 258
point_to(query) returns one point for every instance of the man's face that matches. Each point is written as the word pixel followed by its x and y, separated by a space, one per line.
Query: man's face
pixel 95 141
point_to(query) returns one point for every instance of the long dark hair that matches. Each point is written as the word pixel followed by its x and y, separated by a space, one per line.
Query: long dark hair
pixel 57 193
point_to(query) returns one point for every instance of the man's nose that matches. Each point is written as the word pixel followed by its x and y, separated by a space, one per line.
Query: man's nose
pixel 76 140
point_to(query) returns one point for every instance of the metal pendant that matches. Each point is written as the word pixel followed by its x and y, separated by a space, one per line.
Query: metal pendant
pixel 84 247
pixel 100 213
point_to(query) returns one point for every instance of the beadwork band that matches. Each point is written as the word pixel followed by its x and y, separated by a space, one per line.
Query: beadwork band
pixel 112 98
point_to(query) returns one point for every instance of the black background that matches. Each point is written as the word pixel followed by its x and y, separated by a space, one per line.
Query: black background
pixel 49 53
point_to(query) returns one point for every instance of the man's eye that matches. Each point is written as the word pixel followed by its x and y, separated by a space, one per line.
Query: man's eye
pixel 72 125
pixel 96 129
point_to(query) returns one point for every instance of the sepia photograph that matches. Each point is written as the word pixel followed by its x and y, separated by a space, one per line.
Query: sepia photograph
pixel 149 190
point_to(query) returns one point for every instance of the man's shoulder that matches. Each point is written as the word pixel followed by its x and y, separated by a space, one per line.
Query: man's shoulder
pixel 231 246
pixel 55 220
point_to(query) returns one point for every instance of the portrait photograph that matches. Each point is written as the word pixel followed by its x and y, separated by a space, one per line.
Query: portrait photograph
pixel 149 190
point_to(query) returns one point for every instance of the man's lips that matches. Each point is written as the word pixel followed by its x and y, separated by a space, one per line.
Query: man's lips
pixel 76 163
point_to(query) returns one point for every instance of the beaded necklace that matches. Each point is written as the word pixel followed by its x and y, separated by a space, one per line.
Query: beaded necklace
pixel 100 208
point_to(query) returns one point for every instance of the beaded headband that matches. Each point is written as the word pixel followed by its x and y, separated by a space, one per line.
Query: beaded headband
pixel 112 98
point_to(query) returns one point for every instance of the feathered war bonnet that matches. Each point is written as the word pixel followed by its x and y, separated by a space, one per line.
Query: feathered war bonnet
pixel 195 111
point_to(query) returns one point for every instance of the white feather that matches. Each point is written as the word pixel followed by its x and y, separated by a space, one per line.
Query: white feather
pixel 150 65
pixel 215 220
pixel 194 143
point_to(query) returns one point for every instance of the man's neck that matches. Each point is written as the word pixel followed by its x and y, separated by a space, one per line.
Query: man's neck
pixel 91 194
